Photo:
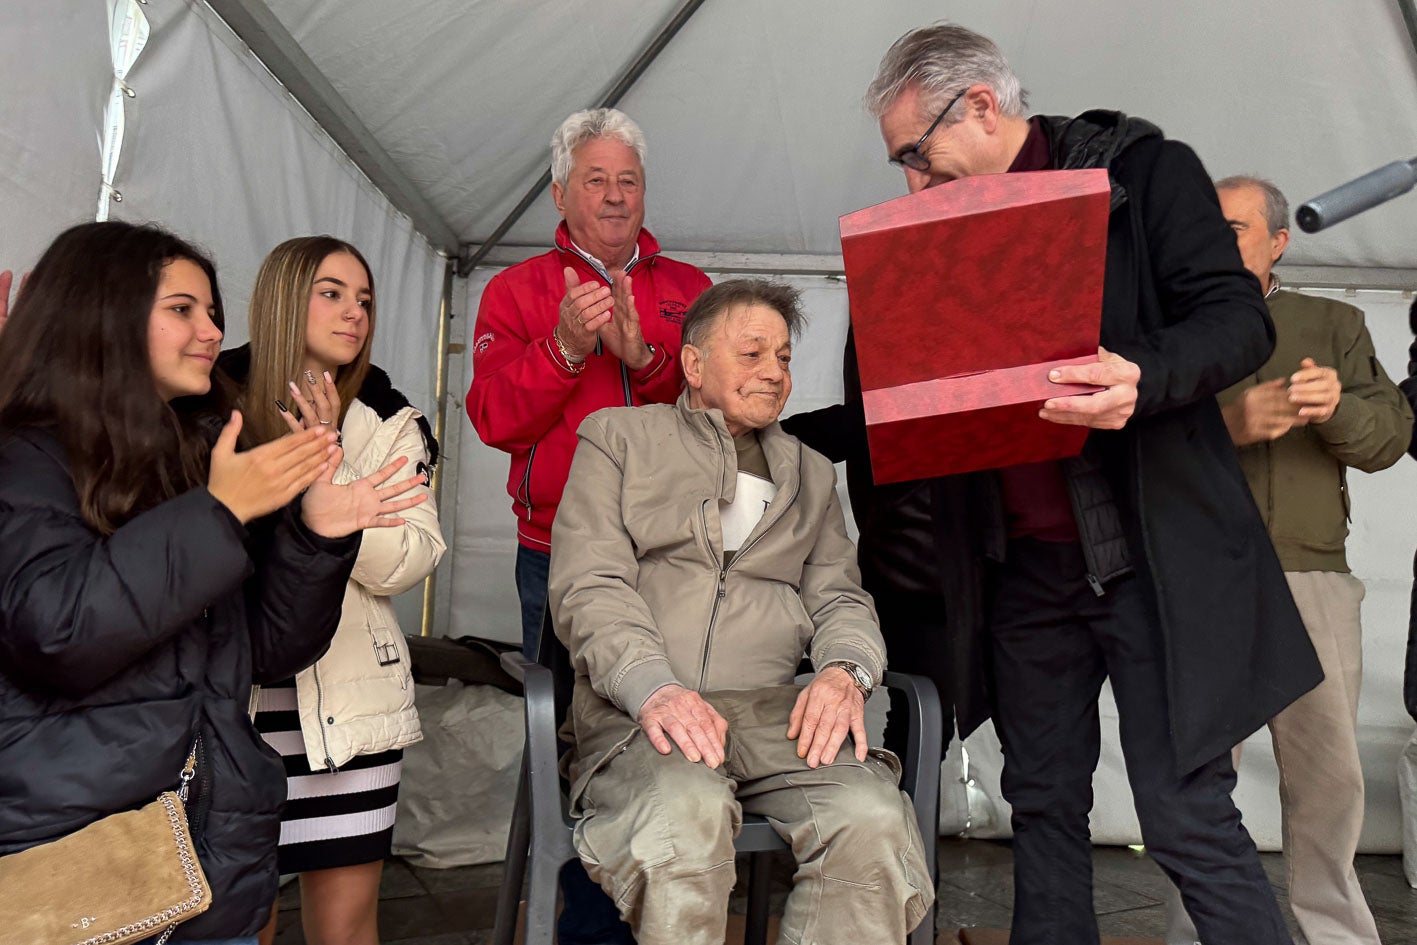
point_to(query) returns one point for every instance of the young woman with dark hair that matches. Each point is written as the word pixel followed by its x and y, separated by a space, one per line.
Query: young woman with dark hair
pixel 150 570
pixel 341 725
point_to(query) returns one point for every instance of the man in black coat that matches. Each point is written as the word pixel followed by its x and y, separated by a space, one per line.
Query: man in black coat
pixel 1144 559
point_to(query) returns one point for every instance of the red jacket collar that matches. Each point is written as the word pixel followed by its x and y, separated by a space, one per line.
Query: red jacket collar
pixel 649 246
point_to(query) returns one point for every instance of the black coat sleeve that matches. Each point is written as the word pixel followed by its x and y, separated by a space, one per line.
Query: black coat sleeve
pixel 294 599
pixel 1216 328
pixel 78 608
pixel 1409 390
pixel 837 432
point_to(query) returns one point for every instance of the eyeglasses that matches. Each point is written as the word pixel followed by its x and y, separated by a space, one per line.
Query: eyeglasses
pixel 912 157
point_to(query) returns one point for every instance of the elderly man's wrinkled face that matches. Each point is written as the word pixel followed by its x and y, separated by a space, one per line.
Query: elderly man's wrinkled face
pixel 743 368
pixel 1259 248
pixel 603 201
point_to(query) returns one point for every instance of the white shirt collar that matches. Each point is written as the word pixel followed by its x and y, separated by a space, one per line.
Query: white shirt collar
pixel 600 266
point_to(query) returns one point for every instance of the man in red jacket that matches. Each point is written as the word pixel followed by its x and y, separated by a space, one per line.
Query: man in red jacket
pixel 593 323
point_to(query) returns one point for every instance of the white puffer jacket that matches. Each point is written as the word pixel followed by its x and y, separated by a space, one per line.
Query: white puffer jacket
pixel 358 699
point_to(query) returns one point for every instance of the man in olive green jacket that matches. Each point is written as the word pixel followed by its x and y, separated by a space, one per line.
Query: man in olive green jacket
pixel 1320 404
pixel 698 554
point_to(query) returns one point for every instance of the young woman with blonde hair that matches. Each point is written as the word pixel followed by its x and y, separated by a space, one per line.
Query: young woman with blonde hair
pixel 340 725
pixel 150 569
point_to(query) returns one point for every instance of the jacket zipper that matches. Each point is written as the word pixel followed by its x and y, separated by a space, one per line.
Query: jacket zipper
pixel 1087 552
pixel 320 718
pixel 724 569
pixel 525 492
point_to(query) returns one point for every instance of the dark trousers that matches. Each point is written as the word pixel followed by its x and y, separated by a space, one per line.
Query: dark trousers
pixel 913 626
pixel 588 916
pixel 1053 643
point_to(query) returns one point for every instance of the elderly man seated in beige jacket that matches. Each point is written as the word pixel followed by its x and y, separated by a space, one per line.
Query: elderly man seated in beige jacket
pixel 698 554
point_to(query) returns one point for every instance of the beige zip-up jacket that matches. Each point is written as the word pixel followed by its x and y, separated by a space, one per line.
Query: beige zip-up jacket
pixel 638 589
pixel 358 699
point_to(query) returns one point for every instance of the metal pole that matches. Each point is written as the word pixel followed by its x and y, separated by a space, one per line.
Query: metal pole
pixel 440 422
pixel 1409 16
pixel 612 98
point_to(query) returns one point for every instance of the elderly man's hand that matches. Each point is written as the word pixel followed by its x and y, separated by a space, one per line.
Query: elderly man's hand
pixel 1262 413
pixel 1315 390
pixel 684 716
pixel 622 334
pixel 827 709
pixel 585 308
pixel 1108 409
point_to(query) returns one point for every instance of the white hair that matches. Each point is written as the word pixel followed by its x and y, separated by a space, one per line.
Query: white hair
pixel 592 123
pixel 942 61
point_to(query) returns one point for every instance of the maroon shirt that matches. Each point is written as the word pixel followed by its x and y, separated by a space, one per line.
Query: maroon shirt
pixel 1036 502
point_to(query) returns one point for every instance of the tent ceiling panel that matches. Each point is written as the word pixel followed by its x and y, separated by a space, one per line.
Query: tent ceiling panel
pixel 51 111
pixel 222 155
pixel 757 138
pixel 466 94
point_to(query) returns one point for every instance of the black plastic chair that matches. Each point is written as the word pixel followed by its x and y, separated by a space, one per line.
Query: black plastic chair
pixel 540 835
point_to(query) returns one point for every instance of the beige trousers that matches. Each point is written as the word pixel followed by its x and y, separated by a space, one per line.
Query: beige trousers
pixel 656 831
pixel 1320 777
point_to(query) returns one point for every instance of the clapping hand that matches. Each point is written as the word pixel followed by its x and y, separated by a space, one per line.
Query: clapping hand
pixel 622 334
pixel 1315 391
pixel 320 407
pixel 258 481
pixel 585 308
pixel 336 511
pixel 7 279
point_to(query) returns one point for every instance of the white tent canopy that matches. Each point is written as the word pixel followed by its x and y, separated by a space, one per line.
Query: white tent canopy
pixel 413 130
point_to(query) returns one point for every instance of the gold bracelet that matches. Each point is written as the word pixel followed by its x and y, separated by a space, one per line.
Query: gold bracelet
pixel 575 365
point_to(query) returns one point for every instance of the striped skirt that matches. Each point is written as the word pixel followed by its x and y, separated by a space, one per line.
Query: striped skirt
pixel 330 819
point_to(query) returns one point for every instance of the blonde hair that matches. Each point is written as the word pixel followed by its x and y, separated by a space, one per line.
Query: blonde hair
pixel 280 308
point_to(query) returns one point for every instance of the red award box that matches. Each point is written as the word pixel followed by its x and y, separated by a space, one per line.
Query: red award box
pixel 963 297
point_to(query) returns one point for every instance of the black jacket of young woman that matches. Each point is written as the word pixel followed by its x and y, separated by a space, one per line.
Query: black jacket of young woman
pixel 116 651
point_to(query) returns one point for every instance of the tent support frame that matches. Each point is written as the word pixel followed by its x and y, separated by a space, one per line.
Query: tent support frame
pixel 440 426
pixel 267 37
pixel 1409 16
pixel 469 258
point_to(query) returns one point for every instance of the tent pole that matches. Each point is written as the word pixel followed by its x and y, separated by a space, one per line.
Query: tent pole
pixel 440 421
pixel 1409 16
pixel 468 260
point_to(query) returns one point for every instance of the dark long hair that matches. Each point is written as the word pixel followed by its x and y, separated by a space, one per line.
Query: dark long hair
pixel 74 361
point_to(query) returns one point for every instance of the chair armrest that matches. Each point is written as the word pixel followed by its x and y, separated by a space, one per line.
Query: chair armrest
pixel 515 665
pixel 542 757
pixel 920 777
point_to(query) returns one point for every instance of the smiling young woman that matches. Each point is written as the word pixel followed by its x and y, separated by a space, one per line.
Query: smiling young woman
pixel 144 581
pixel 341 725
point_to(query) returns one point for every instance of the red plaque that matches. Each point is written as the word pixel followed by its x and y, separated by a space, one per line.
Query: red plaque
pixel 963 297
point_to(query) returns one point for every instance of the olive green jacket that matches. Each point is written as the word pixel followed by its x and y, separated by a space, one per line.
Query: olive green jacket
pixel 1299 481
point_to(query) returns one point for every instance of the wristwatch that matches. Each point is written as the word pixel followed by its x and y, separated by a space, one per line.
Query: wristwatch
pixel 858 674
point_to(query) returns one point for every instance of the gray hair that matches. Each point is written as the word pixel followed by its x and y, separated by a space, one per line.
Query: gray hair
pixel 715 302
pixel 1276 207
pixel 942 61
pixel 592 123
